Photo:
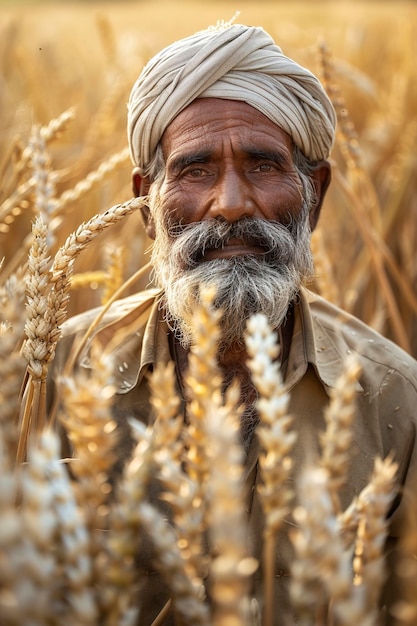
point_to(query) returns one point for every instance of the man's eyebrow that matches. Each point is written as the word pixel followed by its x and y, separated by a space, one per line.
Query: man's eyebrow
pixel 276 156
pixel 179 161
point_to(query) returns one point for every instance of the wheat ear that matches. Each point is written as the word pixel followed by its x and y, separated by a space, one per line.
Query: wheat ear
pixel 41 335
pixel 214 461
pixel 277 440
pixel 181 492
pixel 38 587
pixel 12 363
pixel 45 202
pixel 76 597
pixel 203 383
pixel 93 178
pixel 184 495
pixel 57 296
pixel 62 267
pixel 337 439
pixel 40 135
pixel 87 418
pixel 115 260
pixel 321 571
pixel 230 567
pixel 368 512
pixel 373 505
pixel 185 592
pixel 10 535
pixel 131 515
pixel 125 528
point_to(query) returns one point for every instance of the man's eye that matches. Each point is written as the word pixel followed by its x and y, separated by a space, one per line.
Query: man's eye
pixel 194 172
pixel 265 167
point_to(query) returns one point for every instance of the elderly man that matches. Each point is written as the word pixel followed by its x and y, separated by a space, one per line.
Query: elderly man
pixel 230 138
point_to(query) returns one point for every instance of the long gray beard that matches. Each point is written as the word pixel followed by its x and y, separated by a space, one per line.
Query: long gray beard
pixel 244 285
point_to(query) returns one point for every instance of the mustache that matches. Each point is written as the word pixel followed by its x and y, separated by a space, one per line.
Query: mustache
pixel 276 241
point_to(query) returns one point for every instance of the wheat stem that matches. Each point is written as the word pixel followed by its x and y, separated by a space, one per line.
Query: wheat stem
pixel 93 178
pixel 369 237
pixel 277 441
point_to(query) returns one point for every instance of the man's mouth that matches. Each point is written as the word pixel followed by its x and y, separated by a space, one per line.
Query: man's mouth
pixel 233 247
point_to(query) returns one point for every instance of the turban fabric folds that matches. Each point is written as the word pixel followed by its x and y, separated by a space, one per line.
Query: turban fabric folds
pixel 235 63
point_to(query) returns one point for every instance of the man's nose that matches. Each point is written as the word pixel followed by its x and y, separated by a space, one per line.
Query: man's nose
pixel 233 199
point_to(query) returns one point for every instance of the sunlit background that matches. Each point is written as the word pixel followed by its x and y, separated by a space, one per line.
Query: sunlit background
pixel 85 56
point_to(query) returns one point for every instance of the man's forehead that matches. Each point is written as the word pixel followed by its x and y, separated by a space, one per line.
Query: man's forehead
pixel 206 122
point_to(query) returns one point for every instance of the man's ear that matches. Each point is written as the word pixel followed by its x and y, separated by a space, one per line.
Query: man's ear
pixel 321 177
pixel 140 187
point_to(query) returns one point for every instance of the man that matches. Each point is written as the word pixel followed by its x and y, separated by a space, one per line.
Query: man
pixel 230 141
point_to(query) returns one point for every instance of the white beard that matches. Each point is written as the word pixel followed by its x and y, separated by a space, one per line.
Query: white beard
pixel 245 285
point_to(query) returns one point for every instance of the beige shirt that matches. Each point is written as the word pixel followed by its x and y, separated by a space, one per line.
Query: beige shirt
pixel 135 333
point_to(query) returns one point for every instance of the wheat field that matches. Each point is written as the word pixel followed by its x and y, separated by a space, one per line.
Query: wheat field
pixel 70 237
pixel 85 56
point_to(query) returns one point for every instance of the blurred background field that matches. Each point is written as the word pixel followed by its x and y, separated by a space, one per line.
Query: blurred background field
pixel 85 56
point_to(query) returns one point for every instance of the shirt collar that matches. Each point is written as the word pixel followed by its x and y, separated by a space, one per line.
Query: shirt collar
pixel 317 340
pixel 135 337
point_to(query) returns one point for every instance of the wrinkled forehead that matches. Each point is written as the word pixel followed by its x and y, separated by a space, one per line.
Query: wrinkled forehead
pixel 208 125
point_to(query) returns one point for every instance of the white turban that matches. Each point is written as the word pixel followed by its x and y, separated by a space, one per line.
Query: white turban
pixel 234 63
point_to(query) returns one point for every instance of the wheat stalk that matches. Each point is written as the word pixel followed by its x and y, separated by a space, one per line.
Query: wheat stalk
pixel 181 492
pixel 373 505
pixel 77 598
pixel 57 297
pixel 363 201
pixel 323 270
pixel 41 335
pixel 203 383
pixel 36 588
pixel 125 527
pixel 185 592
pixel 371 241
pixel 93 178
pixel 230 567
pixel 321 570
pixel 86 416
pixel 277 440
pixel 12 363
pixel 10 535
pixel 339 416
pixel 115 264
pixel 32 157
pixel 62 267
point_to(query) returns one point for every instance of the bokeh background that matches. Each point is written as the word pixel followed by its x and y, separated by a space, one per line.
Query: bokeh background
pixel 85 56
